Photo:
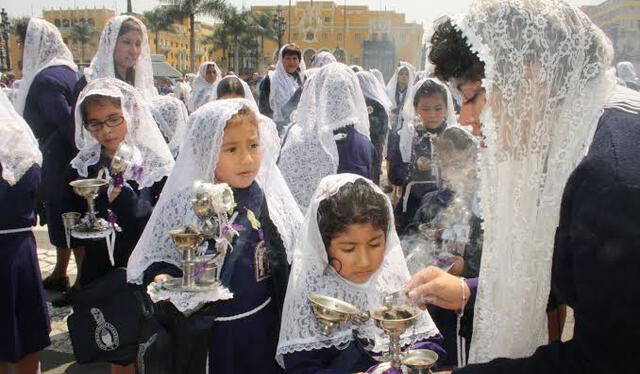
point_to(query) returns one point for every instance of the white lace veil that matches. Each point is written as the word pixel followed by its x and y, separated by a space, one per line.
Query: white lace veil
pixel 626 71
pixel 331 99
pixel 171 116
pixel 373 89
pixel 103 66
pixel 311 273
pixel 143 132
pixel 323 58
pixel 245 86
pixel 43 48
pixel 378 74
pixel 283 86
pixel 410 120
pixel 547 79
pixel 18 146
pixel 197 160
pixel 202 91
pixel 393 82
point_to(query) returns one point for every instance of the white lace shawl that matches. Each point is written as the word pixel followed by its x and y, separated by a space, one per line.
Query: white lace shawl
pixel 393 82
pixel 283 86
pixel 410 118
pixel 103 66
pixel 626 71
pixel 43 48
pixel 373 89
pixel 378 74
pixel 311 273
pixel 548 75
pixel 197 160
pixel 143 132
pixel 331 99
pixel 202 91
pixel 245 86
pixel 323 58
pixel 171 116
pixel 18 146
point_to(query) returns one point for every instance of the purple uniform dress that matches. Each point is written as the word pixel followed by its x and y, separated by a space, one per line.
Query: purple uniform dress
pixel 48 111
pixel 595 261
pixel 357 154
pixel 244 335
pixel 24 321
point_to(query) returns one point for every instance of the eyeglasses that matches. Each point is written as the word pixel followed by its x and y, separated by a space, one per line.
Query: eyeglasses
pixel 95 126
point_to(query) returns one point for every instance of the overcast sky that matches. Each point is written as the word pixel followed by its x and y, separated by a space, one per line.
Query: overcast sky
pixel 424 11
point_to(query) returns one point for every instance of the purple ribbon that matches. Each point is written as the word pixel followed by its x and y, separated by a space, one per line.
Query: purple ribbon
pixel 112 218
pixel 261 235
pixel 199 269
pixel 236 226
pixel 136 172
pixel 118 180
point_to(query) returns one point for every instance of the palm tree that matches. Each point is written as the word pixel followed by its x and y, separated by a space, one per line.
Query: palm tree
pixel 190 9
pixel 159 19
pixel 82 32
pixel 221 38
pixel 265 28
pixel 240 29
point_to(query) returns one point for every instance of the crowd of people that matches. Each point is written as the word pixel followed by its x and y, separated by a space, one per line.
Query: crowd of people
pixel 493 188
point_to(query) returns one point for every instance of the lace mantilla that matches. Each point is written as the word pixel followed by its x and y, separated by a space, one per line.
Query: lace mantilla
pixel 18 146
pixel 547 79
pixel 283 86
pixel 202 91
pixel 171 116
pixel 373 89
pixel 311 273
pixel 188 302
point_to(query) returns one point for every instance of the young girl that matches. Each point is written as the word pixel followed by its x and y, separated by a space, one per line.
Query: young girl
pixel 412 161
pixel 110 112
pixel 204 86
pixel 229 143
pixel 232 87
pixel 330 134
pixel 24 320
pixel 347 249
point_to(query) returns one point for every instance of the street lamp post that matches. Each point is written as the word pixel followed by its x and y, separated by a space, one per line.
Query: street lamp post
pixel 281 25
pixel 5 62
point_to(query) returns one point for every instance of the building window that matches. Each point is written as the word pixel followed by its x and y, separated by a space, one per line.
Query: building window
pixel 82 20
pixel 339 37
pixel 57 22
pixel 325 36
pixel 91 21
pixel 358 37
pixel 327 19
pixel 310 36
pixel 65 23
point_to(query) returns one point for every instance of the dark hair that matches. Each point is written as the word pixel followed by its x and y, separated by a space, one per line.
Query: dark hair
pixel 244 112
pixel 21 29
pixel 97 99
pixel 292 49
pixel 355 203
pixel 230 85
pixel 430 88
pixel 452 56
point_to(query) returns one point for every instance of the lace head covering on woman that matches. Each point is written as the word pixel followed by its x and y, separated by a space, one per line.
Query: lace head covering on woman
pixel 197 160
pixel 226 84
pixel 411 118
pixel 627 72
pixel 373 89
pixel 18 146
pixel 331 100
pixel 103 65
pixel 283 85
pixel 171 115
pixel 143 134
pixel 378 74
pixel 392 85
pixel 43 48
pixel 312 273
pixel 547 77
pixel 323 58
pixel 202 91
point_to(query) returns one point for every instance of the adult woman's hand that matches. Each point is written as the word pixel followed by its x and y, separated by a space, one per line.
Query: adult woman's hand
pixel 435 286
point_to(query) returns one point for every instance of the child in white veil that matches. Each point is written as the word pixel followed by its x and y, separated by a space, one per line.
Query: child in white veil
pixel 256 270
pixel 171 115
pixel 347 249
pixel 204 85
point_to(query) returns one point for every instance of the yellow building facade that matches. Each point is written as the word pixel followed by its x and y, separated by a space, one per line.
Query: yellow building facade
pixel 174 44
pixel 620 20
pixel 359 35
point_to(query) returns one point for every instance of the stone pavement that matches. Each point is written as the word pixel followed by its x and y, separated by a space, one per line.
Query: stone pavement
pixel 58 357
